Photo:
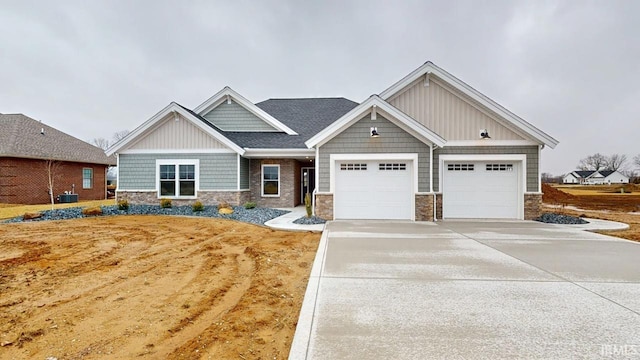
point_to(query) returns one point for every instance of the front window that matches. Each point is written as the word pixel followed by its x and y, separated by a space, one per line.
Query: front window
pixel 177 179
pixel 270 180
pixel 87 178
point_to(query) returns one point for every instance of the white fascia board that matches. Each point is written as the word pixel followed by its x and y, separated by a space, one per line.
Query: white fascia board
pixel 173 107
pixel 491 142
pixel 474 94
pixel 177 151
pixel 396 116
pixel 219 97
pixel 281 153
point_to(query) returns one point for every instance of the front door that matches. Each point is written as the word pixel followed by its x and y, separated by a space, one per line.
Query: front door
pixel 308 179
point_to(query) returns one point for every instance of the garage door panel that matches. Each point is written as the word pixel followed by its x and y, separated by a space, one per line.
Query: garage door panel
pixel 377 190
pixel 481 190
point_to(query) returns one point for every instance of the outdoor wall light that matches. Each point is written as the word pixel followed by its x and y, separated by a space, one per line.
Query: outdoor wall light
pixel 484 134
pixel 374 132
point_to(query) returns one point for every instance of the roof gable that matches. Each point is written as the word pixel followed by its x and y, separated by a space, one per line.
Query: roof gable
pixel 229 96
pixel 375 104
pixel 24 137
pixel 177 111
pixel 429 69
pixel 231 116
pixel 177 133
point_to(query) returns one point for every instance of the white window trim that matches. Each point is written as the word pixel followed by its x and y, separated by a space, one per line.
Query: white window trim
pixel 262 180
pixel 176 162
pixel 90 187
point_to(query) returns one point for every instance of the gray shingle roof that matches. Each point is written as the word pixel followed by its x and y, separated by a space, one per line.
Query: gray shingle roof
pixel 584 173
pixel 306 116
pixel 21 137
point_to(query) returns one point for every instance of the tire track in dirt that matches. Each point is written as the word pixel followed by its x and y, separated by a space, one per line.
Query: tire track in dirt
pixel 151 287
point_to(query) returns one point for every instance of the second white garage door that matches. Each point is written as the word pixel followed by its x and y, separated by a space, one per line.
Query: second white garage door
pixel 373 190
pixel 481 190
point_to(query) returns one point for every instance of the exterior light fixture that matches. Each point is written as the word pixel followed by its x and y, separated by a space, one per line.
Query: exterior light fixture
pixel 374 132
pixel 484 134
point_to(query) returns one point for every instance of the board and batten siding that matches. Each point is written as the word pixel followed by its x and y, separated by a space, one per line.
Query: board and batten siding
pixel 170 134
pixel 234 117
pixel 357 140
pixel 217 171
pixel 449 113
pixel 531 153
pixel 244 173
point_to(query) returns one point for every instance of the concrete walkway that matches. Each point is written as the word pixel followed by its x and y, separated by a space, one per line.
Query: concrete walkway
pixel 470 290
pixel 285 222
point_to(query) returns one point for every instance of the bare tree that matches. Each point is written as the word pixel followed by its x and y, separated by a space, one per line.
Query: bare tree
pixel 548 178
pixel 52 169
pixel 636 160
pixel 593 162
pixel 616 162
pixel 102 143
pixel 119 135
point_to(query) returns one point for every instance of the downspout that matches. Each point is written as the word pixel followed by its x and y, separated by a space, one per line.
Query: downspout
pixel 117 176
pixel 431 181
pixel 316 165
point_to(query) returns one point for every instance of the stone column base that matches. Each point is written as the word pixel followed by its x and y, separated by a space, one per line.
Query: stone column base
pixel 424 207
pixel 532 206
pixel 324 206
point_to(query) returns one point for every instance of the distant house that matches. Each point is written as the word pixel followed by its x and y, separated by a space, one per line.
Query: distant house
pixel 26 145
pixel 590 177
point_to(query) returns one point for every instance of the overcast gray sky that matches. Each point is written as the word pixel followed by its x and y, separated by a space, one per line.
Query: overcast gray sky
pixel 90 68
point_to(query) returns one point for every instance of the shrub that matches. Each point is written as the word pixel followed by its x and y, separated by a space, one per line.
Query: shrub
pixel 307 204
pixel 249 205
pixel 123 205
pixel 197 206
pixel 165 203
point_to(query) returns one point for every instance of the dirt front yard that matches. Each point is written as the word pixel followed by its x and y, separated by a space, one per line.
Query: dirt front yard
pixel 592 203
pixel 150 287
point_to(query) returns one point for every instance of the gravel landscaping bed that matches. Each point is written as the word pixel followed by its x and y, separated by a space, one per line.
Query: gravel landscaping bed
pixel 254 216
pixel 309 221
pixel 552 218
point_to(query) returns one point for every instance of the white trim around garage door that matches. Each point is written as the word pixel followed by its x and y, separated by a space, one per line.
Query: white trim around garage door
pixel 412 157
pixel 520 158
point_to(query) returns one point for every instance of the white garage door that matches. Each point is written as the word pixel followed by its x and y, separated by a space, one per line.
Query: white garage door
pixel 373 190
pixel 481 190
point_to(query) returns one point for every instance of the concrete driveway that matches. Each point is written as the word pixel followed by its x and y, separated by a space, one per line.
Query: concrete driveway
pixel 470 290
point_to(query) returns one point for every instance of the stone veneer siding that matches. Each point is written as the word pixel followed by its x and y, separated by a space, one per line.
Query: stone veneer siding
pixel 289 183
pixel 532 206
pixel 424 207
pixel 206 197
pixel 324 206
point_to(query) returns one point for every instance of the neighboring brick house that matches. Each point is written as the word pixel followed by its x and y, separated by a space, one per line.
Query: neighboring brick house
pixel 429 146
pixel 26 148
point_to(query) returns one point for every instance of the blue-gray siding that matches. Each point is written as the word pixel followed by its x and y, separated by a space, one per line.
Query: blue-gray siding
pixel 244 173
pixel 531 153
pixel 234 117
pixel 217 171
pixel 357 140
